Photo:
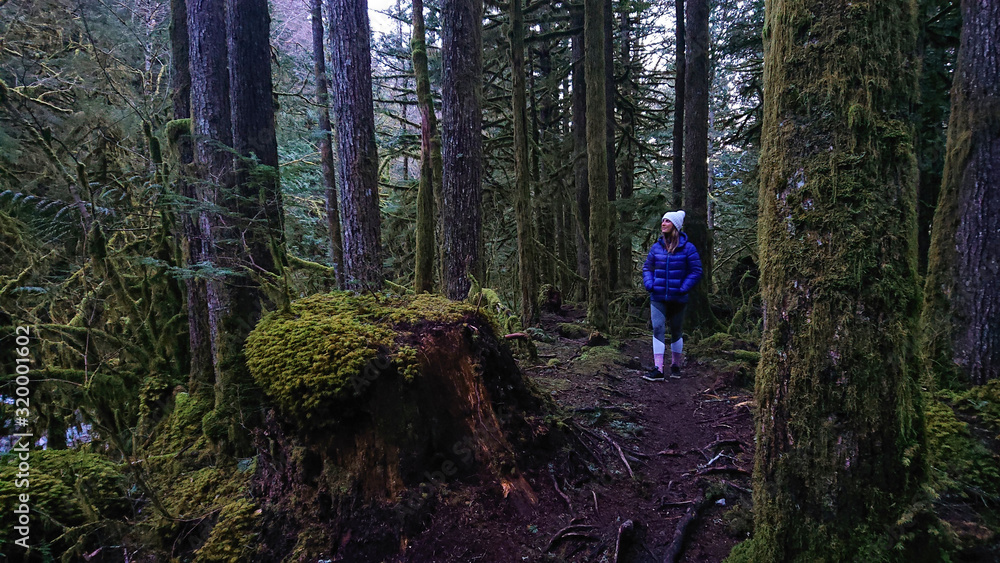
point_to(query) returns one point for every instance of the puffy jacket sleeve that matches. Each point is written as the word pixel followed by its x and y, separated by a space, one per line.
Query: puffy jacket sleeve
pixel 647 270
pixel 694 269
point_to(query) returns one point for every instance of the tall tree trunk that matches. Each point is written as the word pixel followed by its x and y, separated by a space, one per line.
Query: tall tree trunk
pixel 430 150
pixel 962 298
pixel 609 98
pixel 696 86
pixel 199 338
pixel 597 162
pixel 580 167
pixel 461 143
pixel 627 167
pixel 522 193
pixel 248 237
pixel 258 201
pixel 543 198
pixel 326 143
pixel 680 70
pixel 211 129
pixel 838 413
pixel 357 165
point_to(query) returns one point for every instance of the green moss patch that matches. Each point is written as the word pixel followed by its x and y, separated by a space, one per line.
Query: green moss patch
pixel 322 354
pixel 572 330
pixel 74 498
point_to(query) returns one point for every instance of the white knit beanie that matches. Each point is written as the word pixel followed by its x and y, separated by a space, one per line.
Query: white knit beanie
pixel 675 217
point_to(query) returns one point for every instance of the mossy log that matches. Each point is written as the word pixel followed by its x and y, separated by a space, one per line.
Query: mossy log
pixel 379 402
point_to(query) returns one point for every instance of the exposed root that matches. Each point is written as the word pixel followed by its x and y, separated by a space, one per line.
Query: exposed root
pixel 625 528
pixel 569 504
pixel 571 531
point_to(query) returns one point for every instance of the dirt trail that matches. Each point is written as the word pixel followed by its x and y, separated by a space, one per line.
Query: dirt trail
pixel 704 426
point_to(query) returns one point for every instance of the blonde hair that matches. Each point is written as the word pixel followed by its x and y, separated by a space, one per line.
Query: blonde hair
pixel 672 239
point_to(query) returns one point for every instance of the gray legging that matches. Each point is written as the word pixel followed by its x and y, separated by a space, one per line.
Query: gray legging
pixel 663 313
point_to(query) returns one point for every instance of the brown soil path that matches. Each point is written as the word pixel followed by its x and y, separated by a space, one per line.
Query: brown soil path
pixel 704 426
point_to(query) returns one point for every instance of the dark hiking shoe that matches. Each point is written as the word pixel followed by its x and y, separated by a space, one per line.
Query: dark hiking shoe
pixel 675 371
pixel 653 375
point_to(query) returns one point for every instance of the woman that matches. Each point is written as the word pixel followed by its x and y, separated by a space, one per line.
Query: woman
pixel 671 270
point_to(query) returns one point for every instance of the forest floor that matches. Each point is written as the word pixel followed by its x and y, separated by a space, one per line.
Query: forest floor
pixel 654 450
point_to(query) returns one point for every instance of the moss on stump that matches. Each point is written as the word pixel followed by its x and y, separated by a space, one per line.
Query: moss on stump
pixel 379 402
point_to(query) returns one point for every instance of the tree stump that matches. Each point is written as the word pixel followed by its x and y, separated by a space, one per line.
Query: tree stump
pixel 377 404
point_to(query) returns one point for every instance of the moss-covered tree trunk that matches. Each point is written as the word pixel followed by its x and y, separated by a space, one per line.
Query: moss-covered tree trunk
pixel 627 167
pixel 326 143
pixel 461 143
pixel 580 157
pixel 961 318
pixel 680 69
pixel 940 25
pixel 696 86
pixel 609 98
pixel 430 151
pixel 522 193
pixel 199 342
pixel 597 162
pixel 838 414
pixel 357 163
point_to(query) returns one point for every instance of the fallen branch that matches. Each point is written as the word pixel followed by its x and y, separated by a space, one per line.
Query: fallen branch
pixel 517 335
pixel 555 484
pixel 568 532
pixel 597 511
pixel 680 533
pixel 625 528
pixel 726 469
pixel 622 456
pixel 738 488
pixel 608 439
pixel 593 454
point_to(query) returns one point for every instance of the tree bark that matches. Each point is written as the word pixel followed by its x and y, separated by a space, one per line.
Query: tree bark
pixel 461 143
pixel 522 193
pixel 357 163
pixel 580 167
pixel 609 97
pixel 680 69
pixel 696 85
pixel 962 298
pixel 211 129
pixel 839 432
pixel 258 203
pixel 627 166
pixel 597 162
pixel 326 143
pixel 430 157
pixel 199 338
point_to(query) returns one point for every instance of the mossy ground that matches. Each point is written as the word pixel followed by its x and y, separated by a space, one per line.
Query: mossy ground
pixel 78 501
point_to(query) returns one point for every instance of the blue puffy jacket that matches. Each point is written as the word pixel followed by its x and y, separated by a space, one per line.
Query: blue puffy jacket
pixel 670 276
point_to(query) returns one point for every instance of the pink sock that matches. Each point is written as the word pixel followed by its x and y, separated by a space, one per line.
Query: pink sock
pixel 658 360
